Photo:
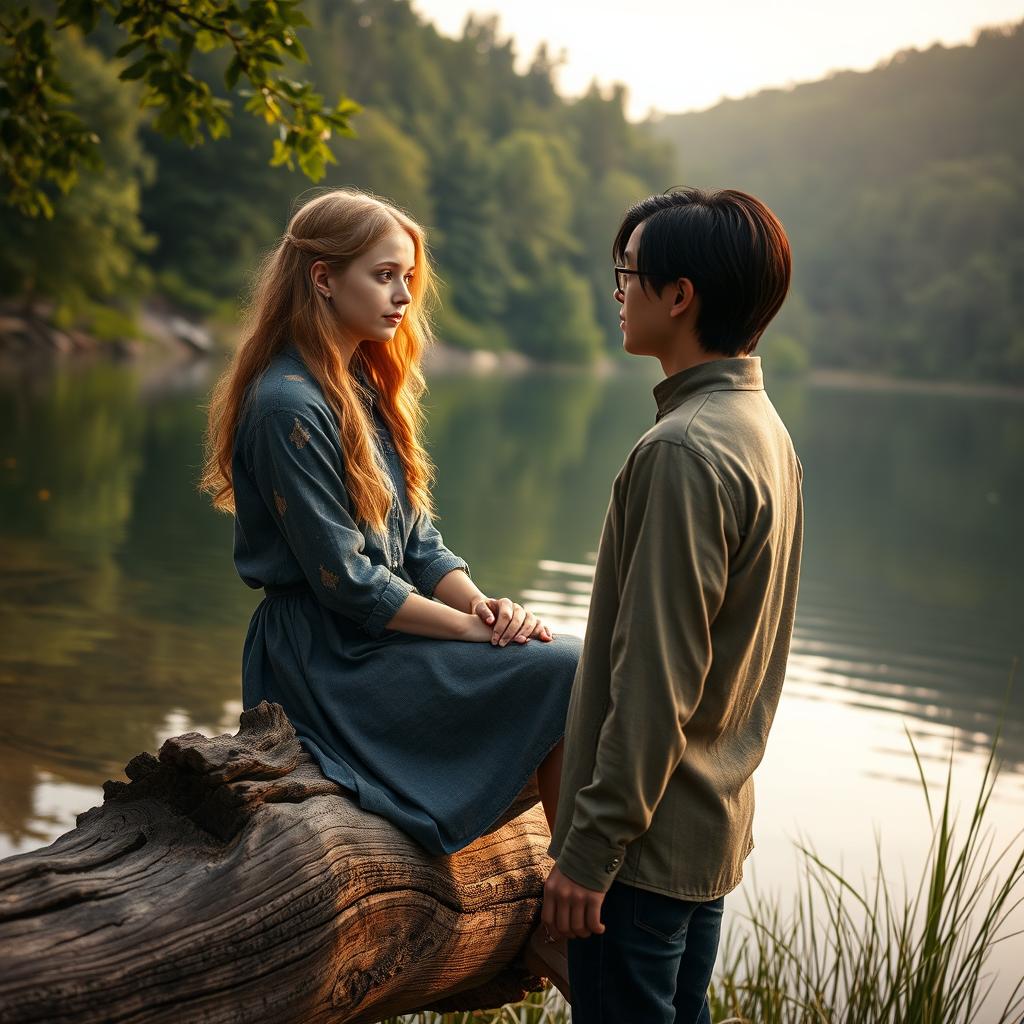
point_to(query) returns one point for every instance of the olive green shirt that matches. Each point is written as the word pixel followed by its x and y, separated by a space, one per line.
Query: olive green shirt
pixel 686 645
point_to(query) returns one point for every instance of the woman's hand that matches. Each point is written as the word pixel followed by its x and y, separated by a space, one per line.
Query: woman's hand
pixel 474 630
pixel 510 621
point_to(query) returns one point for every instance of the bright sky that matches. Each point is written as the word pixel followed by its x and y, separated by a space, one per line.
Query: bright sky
pixel 677 56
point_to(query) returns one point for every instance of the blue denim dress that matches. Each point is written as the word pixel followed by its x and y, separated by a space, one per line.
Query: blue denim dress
pixel 438 736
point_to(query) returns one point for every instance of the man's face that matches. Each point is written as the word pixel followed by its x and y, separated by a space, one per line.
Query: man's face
pixel 644 316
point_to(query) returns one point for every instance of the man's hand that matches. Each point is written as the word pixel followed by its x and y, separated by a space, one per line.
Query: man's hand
pixel 570 911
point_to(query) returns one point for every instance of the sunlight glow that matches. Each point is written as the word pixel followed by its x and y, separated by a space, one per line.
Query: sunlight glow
pixel 676 57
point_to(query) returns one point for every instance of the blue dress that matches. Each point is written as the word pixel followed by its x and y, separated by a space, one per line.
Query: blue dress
pixel 438 736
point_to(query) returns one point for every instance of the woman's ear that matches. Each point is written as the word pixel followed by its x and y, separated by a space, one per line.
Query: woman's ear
pixel 319 274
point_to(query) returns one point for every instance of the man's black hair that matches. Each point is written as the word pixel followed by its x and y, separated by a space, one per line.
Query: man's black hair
pixel 731 247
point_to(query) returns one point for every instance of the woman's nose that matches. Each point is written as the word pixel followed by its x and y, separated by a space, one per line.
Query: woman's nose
pixel 619 295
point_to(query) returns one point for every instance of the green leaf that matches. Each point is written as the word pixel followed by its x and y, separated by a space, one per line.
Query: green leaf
pixel 207 40
pixel 346 107
pixel 185 48
pixel 314 163
pixel 234 69
pixel 281 154
pixel 81 13
pixel 137 70
pixel 123 51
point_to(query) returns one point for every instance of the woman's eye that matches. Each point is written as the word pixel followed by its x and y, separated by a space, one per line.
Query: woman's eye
pixel 408 278
pixel 384 275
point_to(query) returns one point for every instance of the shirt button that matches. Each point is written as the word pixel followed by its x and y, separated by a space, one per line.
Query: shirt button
pixel 612 864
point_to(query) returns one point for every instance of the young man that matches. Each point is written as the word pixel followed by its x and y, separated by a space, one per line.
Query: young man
pixel 690 620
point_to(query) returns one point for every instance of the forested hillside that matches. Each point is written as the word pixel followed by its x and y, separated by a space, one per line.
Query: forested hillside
pixel 521 189
pixel 902 189
pixel 903 193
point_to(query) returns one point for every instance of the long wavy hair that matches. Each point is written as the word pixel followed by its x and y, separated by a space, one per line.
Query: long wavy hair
pixel 282 308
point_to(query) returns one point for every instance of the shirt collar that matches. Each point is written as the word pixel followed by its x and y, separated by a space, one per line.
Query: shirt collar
pixel 742 373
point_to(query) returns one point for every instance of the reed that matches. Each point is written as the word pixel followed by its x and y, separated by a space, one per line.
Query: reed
pixel 545 1007
pixel 883 950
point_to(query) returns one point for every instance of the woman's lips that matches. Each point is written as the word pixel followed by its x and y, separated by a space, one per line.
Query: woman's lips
pixel 395 318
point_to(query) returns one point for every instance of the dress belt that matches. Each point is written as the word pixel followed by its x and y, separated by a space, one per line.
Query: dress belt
pixel 286 589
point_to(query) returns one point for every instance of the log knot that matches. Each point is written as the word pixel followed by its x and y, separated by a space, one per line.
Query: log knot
pixel 219 782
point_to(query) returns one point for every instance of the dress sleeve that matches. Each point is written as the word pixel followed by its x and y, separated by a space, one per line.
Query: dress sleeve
pixel 299 475
pixel 427 560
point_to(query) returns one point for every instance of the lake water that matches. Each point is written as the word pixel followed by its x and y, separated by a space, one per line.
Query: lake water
pixel 122 620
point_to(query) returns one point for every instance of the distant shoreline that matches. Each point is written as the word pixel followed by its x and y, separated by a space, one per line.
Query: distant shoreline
pixel 163 330
pixel 857 379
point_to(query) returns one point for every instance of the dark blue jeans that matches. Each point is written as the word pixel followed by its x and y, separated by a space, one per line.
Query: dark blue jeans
pixel 653 963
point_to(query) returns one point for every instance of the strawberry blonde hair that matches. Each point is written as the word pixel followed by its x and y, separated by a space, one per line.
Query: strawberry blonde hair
pixel 283 307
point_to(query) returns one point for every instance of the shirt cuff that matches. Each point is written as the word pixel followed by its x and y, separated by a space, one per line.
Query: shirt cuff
pixel 589 862
pixel 392 598
pixel 428 578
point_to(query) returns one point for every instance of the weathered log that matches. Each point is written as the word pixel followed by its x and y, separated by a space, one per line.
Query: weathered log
pixel 230 881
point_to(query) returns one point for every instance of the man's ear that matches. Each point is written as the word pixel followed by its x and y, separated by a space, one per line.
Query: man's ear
pixel 683 298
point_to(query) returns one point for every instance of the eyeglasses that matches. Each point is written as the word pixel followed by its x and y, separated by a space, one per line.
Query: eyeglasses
pixel 620 277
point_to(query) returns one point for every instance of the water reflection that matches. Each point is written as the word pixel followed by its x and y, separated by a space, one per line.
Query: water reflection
pixel 123 619
pixel 912 598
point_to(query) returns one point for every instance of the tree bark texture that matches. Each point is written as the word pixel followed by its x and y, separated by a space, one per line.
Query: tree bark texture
pixel 229 881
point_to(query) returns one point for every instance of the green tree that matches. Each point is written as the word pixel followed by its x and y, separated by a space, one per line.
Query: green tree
pixel 214 209
pixel 531 185
pixel 45 142
pixel 597 213
pixel 88 251
pixel 473 261
pixel 506 174
pixel 902 191
pixel 389 162
pixel 552 318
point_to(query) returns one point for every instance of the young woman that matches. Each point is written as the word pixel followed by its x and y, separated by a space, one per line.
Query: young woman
pixel 433 703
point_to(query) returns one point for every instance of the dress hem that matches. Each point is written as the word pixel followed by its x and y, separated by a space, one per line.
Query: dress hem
pixel 508 803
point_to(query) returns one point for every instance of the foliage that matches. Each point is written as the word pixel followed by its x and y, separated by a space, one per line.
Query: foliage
pixel 520 189
pixel 489 158
pixel 902 190
pixel 537 1008
pixel 43 140
pixel 872 952
pixel 86 255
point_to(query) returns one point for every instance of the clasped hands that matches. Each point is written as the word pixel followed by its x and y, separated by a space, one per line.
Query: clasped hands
pixel 509 621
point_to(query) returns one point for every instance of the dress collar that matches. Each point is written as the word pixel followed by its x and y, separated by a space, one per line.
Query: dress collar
pixel 292 352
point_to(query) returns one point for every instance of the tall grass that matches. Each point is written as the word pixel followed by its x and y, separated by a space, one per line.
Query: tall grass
pixel 882 952
pixel 545 1007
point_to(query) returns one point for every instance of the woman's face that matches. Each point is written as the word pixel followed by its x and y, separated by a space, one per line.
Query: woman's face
pixel 370 295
